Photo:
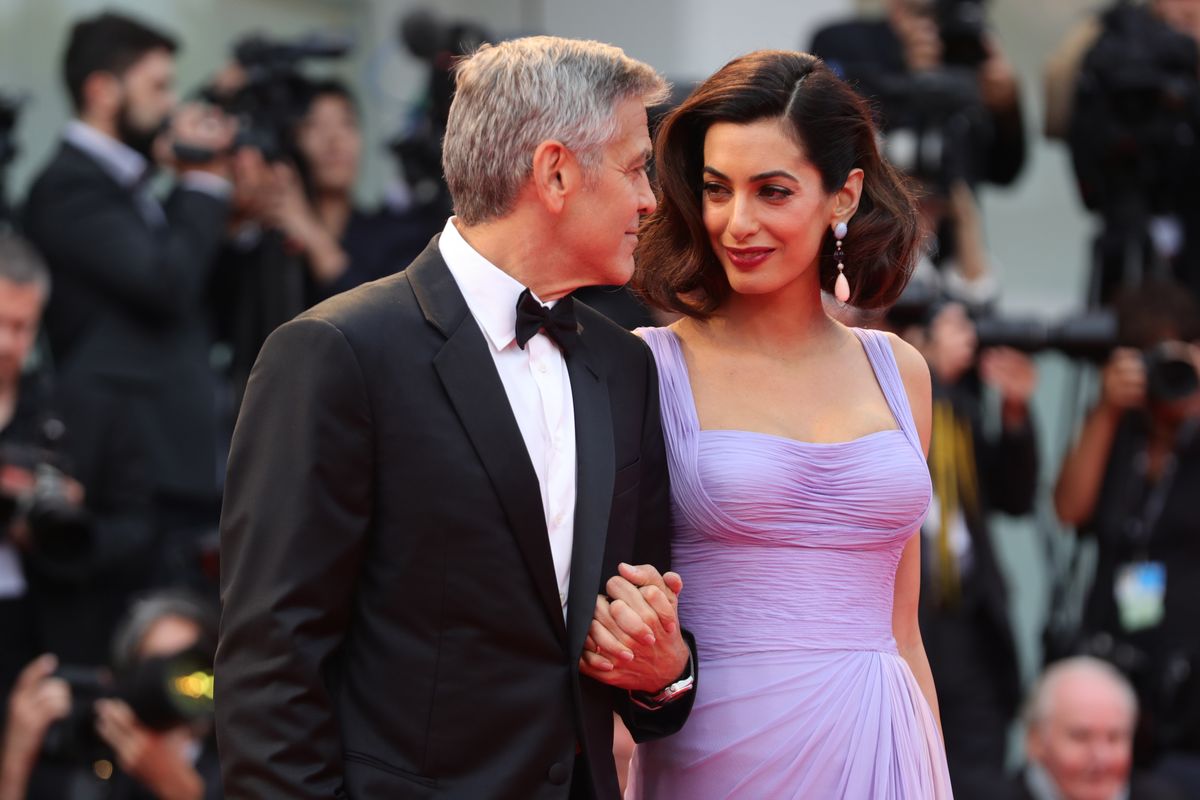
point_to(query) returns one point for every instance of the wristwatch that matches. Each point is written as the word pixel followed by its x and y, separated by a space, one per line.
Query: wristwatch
pixel 681 686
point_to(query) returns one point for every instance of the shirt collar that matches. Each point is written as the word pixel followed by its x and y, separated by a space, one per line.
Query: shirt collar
pixel 122 162
pixel 490 292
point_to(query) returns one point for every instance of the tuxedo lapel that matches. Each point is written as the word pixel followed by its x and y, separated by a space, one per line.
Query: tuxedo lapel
pixel 593 497
pixel 468 373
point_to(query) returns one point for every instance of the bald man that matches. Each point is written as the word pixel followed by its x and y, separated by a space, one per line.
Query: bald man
pixel 1079 727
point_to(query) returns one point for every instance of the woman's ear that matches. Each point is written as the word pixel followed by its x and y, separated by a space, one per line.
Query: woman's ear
pixel 555 174
pixel 845 199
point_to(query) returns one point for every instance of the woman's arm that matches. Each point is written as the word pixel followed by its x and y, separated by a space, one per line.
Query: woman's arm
pixel 904 622
pixel 906 602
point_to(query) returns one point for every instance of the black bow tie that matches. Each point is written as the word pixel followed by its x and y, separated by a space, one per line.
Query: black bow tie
pixel 558 322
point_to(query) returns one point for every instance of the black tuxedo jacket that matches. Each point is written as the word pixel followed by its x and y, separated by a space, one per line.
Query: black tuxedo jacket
pixel 127 313
pixel 391 625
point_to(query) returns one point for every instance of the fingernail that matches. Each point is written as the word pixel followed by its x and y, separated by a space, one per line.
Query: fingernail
pixel 604 666
pixel 626 655
pixel 649 639
pixel 670 627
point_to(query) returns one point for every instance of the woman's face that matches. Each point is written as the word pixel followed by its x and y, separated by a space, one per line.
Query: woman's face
pixel 330 141
pixel 764 206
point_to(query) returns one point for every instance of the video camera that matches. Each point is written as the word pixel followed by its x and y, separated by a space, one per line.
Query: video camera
pixel 60 531
pixel 936 127
pixel 438 43
pixel 962 25
pixel 1089 336
pixel 274 97
pixel 1136 116
pixel 163 692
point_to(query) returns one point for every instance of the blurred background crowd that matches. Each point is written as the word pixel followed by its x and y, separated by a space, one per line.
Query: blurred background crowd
pixel 197 172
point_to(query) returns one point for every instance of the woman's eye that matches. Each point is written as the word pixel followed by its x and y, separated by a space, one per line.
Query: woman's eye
pixel 775 192
pixel 715 190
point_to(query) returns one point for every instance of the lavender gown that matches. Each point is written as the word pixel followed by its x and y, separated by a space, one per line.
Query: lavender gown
pixel 788 552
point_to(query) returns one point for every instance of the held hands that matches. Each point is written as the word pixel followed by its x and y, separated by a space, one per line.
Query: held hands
pixel 635 641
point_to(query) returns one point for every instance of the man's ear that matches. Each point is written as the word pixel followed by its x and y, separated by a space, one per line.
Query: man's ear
pixel 845 199
pixel 101 93
pixel 556 174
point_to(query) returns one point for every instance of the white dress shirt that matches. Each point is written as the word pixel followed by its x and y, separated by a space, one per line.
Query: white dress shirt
pixel 538 388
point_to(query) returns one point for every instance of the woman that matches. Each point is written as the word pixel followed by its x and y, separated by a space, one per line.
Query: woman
pixel 342 245
pixel 796 445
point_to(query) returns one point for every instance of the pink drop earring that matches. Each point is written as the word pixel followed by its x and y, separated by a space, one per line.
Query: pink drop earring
pixel 841 289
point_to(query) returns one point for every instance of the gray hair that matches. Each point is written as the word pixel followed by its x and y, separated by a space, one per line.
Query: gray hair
pixel 145 612
pixel 512 96
pixel 1039 706
pixel 21 264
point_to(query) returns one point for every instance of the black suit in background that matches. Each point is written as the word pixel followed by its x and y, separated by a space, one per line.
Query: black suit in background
pixel 391 625
pixel 969 639
pixel 127 315
pixel 73 603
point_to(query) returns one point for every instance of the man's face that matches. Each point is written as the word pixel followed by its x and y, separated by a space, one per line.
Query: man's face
pixel 1182 15
pixel 147 99
pixel 1086 742
pixel 20 313
pixel 601 221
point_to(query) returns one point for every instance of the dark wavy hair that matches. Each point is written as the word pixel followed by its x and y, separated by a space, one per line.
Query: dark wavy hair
pixel 676 267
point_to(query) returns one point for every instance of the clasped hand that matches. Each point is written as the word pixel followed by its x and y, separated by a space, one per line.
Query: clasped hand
pixel 635 641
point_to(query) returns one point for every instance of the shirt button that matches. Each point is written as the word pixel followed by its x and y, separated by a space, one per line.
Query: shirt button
pixel 542 368
pixel 558 774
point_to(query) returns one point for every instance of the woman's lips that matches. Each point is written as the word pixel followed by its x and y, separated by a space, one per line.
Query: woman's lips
pixel 748 257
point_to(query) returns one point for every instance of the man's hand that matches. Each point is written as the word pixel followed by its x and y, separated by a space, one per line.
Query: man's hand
pixel 155 760
pixel 951 345
pixel 1123 381
pixel 1012 374
pixel 635 641
pixel 203 128
pixel 37 700
pixel 997 78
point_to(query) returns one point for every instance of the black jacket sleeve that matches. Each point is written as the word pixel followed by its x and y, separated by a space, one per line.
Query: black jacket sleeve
pixel 84 223
pixel 653 546
pixel 296 516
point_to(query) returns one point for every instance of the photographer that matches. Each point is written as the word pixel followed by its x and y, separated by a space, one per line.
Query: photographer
pixel 1130 482
pixel 1133 124
pixel 342 245
pixel 170 756
pixel 964 613
pixel 923 38
pixel 74 502
pixel 128 313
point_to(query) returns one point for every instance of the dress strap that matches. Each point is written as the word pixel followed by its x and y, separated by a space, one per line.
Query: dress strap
pixel 674 388
pixel 887 373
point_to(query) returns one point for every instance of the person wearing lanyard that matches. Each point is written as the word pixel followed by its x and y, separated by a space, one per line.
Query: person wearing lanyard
pixel 1129 482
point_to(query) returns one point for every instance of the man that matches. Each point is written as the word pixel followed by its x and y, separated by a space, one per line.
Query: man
pixel 128 312
pixel 1079 737
pixel 74 504
pixel 432 475
pixel 909 42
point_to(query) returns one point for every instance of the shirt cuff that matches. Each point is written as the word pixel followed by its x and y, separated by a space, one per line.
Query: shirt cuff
pixel 206 182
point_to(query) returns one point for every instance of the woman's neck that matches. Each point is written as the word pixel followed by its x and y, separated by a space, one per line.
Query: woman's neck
pixel 782 323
